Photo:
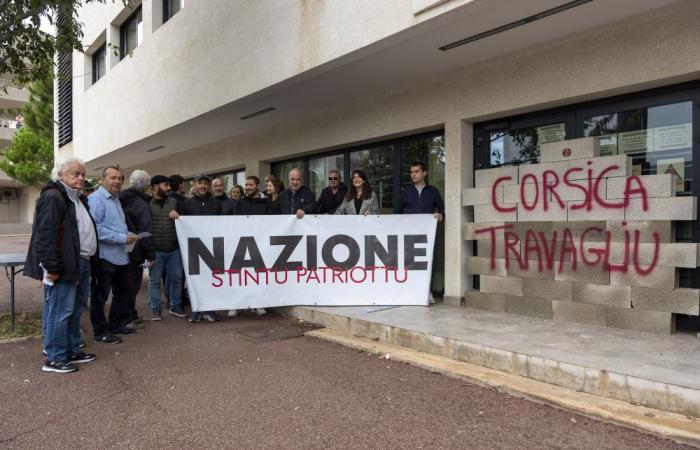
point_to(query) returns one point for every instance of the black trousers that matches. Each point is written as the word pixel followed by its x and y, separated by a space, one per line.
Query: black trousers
pixel 130 291
pixel 110 277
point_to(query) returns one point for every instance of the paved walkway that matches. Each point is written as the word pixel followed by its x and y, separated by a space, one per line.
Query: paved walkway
pixel 653 370
pixel 182 385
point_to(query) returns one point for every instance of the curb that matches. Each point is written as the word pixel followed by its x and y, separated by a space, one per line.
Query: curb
pixel 668 425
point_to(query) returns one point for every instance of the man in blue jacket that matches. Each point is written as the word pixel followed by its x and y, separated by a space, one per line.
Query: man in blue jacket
pixel 421 198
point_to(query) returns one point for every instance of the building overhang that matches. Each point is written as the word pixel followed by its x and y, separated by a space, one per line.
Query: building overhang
pixel 409 57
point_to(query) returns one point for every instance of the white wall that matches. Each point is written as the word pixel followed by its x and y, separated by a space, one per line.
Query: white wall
pixel 655 49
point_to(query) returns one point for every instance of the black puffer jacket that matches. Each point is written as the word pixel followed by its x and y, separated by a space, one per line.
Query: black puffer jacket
pixel 138 220
pixel 201 206
pixel 55 242
pixel 162 226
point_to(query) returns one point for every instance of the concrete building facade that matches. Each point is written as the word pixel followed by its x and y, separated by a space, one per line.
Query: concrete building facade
pixel 258 87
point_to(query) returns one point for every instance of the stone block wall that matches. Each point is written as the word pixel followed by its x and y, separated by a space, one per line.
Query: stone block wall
pixel 578 238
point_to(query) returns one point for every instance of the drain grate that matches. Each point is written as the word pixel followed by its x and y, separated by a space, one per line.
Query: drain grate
pixel 268 332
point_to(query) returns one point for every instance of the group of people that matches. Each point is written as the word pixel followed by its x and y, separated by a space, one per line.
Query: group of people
pixel 89 242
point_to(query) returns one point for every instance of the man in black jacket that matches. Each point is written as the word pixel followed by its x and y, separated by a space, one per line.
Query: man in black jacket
pixel 202 204
pixel 298 199
pixel 332 196
pixel 228 205
pixel 253 203
pixel 138 220
pixel 63 242
pixel 168 260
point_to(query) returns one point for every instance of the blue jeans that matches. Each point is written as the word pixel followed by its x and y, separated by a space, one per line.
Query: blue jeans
pixel 65 302
pixel 171 264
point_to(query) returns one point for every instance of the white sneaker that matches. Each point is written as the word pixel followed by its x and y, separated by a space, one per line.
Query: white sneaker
pixel 260 311
pixel 233 313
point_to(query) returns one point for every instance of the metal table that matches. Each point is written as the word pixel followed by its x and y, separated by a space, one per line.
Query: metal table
pixel 10 261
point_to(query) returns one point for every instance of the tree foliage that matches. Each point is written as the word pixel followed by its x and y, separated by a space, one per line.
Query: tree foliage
pixel 29 158
pixel 27 51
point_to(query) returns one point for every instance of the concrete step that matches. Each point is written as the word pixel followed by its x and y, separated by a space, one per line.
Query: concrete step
pixel 655 371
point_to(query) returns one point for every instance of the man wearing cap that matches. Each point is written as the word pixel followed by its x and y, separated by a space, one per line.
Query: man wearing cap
pixel 202 204
pixel 167 252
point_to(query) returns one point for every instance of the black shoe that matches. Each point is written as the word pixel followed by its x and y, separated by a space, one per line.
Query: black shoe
pixel 81 357
pixel 59 367
pixel 108 339
pixel 124 330
pixel 177 311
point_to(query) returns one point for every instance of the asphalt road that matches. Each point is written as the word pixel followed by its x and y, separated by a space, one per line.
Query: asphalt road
pixel 182 385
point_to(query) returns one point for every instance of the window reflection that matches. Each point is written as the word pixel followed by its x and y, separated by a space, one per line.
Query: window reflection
pixel 376 162
pixel 522 146
pixel 318 171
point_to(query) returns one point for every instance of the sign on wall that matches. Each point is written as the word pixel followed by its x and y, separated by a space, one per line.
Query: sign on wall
pixel 237 262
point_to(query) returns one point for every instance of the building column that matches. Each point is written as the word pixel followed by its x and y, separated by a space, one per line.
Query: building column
pixel 459 174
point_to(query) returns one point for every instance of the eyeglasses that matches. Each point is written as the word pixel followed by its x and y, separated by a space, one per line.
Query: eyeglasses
pixel 333 178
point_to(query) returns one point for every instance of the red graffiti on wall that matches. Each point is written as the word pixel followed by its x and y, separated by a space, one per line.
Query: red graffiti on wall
pixel 589 186
pixel 561 246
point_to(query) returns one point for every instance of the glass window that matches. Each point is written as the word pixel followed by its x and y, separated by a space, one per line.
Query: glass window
pixel 319 168
pixel 430 151
pixel 522 146
pixel 171 7
pixel 659 139
pixel 230 179
pixel 131 33
pixel 376 162
pixel 281 169
pixel 99 63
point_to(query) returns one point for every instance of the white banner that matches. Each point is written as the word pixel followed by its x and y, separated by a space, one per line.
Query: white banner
pixel 239 262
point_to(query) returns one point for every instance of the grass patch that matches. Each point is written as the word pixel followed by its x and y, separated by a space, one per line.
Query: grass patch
pixel 26 324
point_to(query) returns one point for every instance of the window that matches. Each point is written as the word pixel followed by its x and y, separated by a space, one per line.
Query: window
pixel 171 7
pixel 387 167
pixel 131 34
pixel 231 178
pixel 318 171
pixel 99 63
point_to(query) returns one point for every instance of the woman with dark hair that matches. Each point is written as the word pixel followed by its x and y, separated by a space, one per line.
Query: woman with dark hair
pixel 273 189
pixel 360 199
pixel 236 192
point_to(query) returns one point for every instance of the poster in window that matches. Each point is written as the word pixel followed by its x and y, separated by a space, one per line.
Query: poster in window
pixel 634 141
pixel 673 137
pixel 676 167
pixel 551 133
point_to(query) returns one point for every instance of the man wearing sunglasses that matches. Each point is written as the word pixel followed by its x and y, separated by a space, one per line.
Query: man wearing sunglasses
pixel 332 196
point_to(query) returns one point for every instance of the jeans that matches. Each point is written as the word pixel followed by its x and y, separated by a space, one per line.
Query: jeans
pixel 169 263
pixel 65 302
pixel 110 277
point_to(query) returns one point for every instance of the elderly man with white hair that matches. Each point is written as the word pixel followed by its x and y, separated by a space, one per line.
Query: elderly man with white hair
pixel 64 239
pixel 137 212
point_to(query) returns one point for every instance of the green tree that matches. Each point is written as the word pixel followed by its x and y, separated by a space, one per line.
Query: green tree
pixel 29 158
pixel 26 50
